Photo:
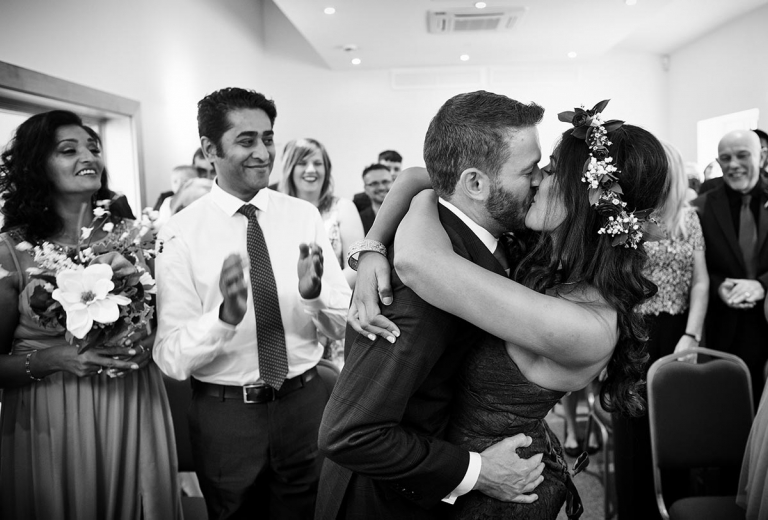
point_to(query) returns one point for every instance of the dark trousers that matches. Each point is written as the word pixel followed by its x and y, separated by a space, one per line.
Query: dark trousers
pixel 258 460
pixel 632 437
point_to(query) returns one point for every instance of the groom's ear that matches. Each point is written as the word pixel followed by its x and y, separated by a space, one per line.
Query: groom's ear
pixel 474 184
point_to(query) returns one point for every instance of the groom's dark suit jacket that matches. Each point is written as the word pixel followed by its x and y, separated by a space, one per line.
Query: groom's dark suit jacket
pixel 383 428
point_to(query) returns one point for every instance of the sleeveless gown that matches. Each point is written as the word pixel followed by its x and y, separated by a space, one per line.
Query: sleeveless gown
pixel 86 448
pixel 495 401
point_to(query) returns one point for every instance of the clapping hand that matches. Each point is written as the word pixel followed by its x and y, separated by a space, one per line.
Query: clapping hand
pixel 233 289
pixel 310 270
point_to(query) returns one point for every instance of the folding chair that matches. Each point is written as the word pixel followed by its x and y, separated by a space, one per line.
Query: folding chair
pixel 700 417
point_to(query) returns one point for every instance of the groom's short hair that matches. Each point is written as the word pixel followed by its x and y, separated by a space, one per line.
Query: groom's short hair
pixel 469 131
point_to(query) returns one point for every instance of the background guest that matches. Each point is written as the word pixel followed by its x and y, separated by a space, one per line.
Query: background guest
pixel 250 346
pixel 190 191
pixel 752 492
pixel 377 180
pixel 179 176
pixel 675 318
pixel 205 166
pixel 75 442
pixel 733 220
pixel 394 162
pixel 307 175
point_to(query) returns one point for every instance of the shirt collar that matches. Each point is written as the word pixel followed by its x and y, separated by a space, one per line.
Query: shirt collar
pixel 485 236
pixel 230 204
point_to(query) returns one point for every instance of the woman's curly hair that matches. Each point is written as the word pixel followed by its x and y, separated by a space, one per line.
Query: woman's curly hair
pixel 579 253
pixel 27 191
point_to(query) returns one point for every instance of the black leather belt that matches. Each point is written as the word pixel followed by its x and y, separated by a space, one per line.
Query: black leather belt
pixel 254 394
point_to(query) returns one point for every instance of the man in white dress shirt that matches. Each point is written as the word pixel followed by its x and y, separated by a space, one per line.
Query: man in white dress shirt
pixel 254 443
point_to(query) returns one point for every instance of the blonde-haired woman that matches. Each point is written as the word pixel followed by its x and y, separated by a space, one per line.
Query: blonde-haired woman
pixel 675 318
pixel 307 176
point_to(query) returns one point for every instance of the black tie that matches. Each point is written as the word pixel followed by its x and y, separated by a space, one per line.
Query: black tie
pixel 748 236
pixel 270 335
pixel 501 255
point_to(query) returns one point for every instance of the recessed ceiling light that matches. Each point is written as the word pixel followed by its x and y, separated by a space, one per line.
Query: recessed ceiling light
pixel 481 5
pixel 464 57
pixel 630 2
pixel 356 61
pixel 329 10
pixel 572 54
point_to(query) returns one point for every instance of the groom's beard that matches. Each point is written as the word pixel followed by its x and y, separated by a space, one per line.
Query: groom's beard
pixel 507 208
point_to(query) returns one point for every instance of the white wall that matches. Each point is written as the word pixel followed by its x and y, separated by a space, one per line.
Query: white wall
pixel 169 54
pixel 720 73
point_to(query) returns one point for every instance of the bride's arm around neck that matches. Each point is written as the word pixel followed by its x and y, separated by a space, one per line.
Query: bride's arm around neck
pixel 576 330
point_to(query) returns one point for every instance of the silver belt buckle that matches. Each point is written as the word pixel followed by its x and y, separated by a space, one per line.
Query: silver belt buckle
pixel 248 387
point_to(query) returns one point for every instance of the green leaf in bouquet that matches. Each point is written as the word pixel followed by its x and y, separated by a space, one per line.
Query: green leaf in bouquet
pixel 94 338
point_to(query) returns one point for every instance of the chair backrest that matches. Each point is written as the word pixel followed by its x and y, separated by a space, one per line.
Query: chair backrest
pixel 700 414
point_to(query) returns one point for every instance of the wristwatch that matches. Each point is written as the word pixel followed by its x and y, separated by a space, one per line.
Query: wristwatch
pixel 697 337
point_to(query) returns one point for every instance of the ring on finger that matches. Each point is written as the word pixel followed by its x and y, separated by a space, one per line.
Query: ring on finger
pixel 142 349
pixel 101 369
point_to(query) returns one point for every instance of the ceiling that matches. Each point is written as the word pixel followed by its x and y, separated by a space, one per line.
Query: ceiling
pixel 390 34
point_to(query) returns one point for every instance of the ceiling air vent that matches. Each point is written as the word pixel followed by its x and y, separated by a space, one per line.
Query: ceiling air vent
pixel 464 20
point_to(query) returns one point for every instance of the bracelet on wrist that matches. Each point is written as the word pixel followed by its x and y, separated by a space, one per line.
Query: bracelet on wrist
pixel 694 336
pixel 362 246
pixel 28 369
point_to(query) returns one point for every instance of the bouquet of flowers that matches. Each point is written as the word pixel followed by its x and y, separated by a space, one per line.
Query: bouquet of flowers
pixel 97 292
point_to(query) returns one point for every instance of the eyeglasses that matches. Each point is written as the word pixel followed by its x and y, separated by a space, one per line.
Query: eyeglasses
pixel 376 184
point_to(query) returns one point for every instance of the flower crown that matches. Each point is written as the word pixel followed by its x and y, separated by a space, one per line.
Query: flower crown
pixel 601 175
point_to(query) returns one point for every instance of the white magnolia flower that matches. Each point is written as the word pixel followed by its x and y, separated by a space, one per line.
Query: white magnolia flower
pixel 99 212
pixel 108 227
pixel 85 232
pixel 85 297
pixel 23 246
pixel 3 273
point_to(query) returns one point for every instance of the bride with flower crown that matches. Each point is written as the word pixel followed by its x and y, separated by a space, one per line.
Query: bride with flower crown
pixel 567 313
pixel 86 428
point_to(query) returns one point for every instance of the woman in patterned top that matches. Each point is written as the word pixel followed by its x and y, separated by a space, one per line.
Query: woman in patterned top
pixel 675 318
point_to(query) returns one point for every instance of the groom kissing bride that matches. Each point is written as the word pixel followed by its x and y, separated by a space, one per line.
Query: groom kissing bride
pixel 439 415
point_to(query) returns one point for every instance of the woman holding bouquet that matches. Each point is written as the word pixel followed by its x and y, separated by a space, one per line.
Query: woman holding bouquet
pixel 86 429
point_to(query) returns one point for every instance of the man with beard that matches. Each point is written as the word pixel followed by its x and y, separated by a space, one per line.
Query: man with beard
pixel 383 428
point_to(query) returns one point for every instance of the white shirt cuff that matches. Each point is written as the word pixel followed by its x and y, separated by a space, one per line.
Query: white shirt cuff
pixel 469 480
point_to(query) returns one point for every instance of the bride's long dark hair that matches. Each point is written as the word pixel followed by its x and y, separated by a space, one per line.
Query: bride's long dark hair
pixel 577 253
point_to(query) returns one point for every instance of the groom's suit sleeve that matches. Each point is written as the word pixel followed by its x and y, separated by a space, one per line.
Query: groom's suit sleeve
pixel 371 424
